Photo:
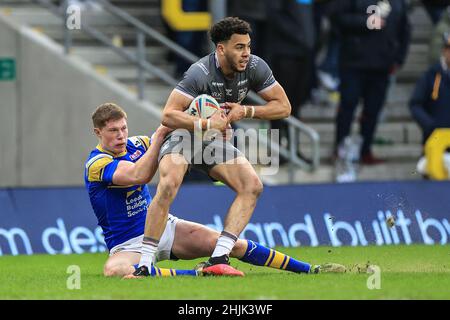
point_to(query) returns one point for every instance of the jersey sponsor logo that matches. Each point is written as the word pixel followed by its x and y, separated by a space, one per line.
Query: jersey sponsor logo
pixel 217 84
pixel 136 141
pixel 242 93
pixel 242 82
pixel 135 202
pixel 136 155
pixel 216 95
pixel 136 205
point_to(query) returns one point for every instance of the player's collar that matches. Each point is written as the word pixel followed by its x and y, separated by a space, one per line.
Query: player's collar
pixel 99 147
pixel 216 58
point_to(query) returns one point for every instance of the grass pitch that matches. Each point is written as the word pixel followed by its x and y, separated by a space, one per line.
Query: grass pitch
pixel 407 272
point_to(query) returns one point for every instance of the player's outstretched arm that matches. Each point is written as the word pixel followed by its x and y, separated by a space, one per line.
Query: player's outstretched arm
pixel 143 170
pixel 277 107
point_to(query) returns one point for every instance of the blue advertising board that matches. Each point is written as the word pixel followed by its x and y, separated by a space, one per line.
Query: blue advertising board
pixel 61 220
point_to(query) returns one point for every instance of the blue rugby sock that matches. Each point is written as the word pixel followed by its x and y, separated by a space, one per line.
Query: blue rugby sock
pixel 262 256
pixel 162 272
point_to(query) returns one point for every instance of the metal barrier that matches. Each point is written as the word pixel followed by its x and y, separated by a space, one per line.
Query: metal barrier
pixel 295 127
pixel 143 31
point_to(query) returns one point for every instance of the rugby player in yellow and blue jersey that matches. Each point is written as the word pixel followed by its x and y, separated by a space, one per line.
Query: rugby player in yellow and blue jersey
pixel 116 175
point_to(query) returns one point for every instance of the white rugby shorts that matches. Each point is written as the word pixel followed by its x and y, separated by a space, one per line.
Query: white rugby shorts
pixel 165 243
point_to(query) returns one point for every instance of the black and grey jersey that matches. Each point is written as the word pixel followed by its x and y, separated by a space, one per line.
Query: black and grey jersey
pixel 206 77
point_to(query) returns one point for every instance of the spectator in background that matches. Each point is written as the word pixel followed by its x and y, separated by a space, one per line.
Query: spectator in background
pixel 328 70
pixel 255 13
pixel 436 39
pixel 372 47
pixel 290 39
pixel 430 102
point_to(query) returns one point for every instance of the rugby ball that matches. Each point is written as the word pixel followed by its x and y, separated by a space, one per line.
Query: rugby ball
pixel 203 106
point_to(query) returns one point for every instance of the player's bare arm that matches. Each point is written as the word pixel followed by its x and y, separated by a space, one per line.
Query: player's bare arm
pixel 143 170
pixel 174 116
pixel 277 107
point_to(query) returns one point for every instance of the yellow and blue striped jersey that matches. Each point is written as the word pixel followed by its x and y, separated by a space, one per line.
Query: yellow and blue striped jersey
pixel 120 210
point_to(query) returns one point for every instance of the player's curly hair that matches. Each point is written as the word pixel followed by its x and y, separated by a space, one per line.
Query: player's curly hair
pixel 225 28
pixel 106 112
